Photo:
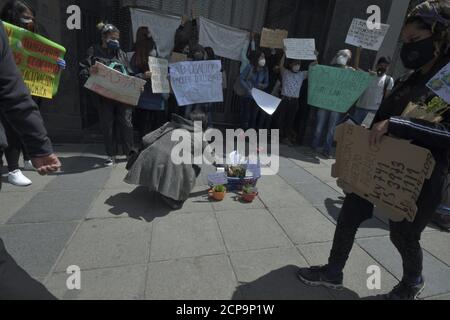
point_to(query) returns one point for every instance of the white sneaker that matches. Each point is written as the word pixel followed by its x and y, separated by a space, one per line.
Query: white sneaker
pixel 18 179
pixel 28 166
pixel 111 161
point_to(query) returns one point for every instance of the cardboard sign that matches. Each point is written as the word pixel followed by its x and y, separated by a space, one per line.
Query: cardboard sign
pixel 160 73
pixel 300 49
pixel 36 58
pixel 440 84
pixel 391 175
pixel 178 57
pixel 114 85
pixel 360 35
pixel 197 82
pixel 273 38
pixel 336 89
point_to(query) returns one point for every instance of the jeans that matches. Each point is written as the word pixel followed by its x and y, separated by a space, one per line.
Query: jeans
pixel 404 235
pixel 249 113
pixel 360 115
pixel 328 119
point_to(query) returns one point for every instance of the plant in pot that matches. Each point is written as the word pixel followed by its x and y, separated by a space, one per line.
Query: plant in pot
pixel 218 192
pixel 249 193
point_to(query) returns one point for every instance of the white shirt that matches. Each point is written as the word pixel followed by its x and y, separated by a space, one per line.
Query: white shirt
pixel 374 94
pixel 292 83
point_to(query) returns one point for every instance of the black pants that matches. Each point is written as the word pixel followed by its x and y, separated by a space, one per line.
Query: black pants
pixel 116 120
pixel 15 147
pixel 404 235
pixel 286 119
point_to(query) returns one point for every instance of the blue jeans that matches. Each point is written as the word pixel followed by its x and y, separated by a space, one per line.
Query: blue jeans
pixel 360 115
pixel 249 113
pixel 328 119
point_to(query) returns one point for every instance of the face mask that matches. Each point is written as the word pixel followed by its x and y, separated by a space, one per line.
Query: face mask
pixel 153 53
pixel 417 54
pixel 342 60
pixel 296 68
pixel 113 44
pixel 262 63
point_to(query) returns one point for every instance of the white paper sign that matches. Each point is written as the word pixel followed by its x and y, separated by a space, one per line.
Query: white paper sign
pixel 197 82
pixel 300 49
pixel 360 35
pixel 440 84
pixel 116 86
pixel 160 72
pixel 162 27
pixel 226 41
pixel 268 103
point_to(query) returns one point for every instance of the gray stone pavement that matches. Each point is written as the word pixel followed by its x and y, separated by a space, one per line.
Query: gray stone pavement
pixel 130 246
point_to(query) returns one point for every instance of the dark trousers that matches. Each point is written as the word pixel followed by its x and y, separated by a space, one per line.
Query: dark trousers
pixel 404 235
pixel 249 113
pixel 15 147
pixel 286 118
pixel 117 125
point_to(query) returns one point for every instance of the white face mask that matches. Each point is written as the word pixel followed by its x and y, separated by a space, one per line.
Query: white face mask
pixel 342 60
pixel 296 69
pixel 153 53
pixel 262 63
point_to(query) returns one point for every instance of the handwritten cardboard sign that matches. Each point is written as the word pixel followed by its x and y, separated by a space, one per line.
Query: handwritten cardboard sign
pixel 360 35
pixel 197 82
pixel 116 86
pixel 160 72
pixel 440 83
pixel 178 57
pixel 36 57
pixel 300 49
pixel 391 175
pixel 336 89
pixel 273 38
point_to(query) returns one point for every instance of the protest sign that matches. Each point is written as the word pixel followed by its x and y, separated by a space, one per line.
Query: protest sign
pixel 162 27
pixel 360 35
pixel 160 72
pixel 227 42
pixel 178 57
pixel 273 38
pixel 116 86
pixel 336 89
pixel 390 175
pixel 197 82
pixel 440 83
pixel 268 103
pixel 36 58
pixel 300 49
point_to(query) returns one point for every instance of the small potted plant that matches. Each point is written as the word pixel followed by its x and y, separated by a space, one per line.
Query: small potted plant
pixel 249 193
pixel 218 192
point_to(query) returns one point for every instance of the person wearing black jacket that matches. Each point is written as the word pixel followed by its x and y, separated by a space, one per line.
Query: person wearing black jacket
pixel 21 112
pixel 425 50
pixel 115 117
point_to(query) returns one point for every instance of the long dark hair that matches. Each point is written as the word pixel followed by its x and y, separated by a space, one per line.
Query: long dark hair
pixel 142 52
pixel 13 10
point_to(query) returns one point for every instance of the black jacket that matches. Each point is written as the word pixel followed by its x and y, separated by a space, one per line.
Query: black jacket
pixel 17 106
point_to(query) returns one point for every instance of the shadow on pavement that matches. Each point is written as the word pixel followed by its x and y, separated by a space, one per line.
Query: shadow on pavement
pixel 80 164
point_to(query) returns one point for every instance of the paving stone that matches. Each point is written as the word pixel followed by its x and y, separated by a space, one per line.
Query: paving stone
pixel 107 243
pixel 322 173
pixel 123 283
pixel 36 247
pixel 69 206
pixel 304 224
pixel 434 271
pixel 297 176
pixel 204 278
pixel 185 236
pixel 355 273
pixel 233 202
pixel 281 198
pixel 317 193
pixel 251 230
pixel 11 202
pixel 74 179
pixel 438 244
pixel 334 185
pixel 39 183
pixel 444 297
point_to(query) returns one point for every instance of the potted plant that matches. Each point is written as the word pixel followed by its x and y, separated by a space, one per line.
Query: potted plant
pixel 218 192
pixel 249 193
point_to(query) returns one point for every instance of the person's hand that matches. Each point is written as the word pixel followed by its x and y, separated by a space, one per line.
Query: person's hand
pixel 379 130
pixel 148 75
pixel 93 70
pixel 372 73
pixel 46 165
pixel 61 63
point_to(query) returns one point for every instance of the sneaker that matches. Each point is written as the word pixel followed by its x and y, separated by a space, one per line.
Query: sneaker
pixel 318 276
pixel 28 166
pixel 17 178
pixel 404 291
pixel 110 162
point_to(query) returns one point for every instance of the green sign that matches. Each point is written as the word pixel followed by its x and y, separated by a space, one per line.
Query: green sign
pixel 36 58
pixel 336 89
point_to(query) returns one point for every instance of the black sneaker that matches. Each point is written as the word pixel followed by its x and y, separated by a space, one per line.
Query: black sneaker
pixel 318 276
pixel 404 291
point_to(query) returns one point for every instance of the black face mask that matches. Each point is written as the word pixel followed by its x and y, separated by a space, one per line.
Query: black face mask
pixel 415 55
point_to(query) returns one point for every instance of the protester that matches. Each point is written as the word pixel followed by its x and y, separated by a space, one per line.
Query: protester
pixel 15 102
pixel 256 75
pixel 426 39
pixel 22 15
pixel 329 119
pixel 380 88
pixel 442 216
pixel 143 34
pixel 113 114
pixel 150 113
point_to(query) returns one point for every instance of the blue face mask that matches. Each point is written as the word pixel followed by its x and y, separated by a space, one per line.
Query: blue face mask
pixel 113 44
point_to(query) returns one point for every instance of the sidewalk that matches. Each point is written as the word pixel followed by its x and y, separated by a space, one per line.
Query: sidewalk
pixel 130 246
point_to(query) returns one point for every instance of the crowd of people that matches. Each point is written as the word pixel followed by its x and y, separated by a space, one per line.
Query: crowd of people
pixel 425 51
